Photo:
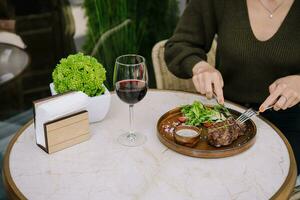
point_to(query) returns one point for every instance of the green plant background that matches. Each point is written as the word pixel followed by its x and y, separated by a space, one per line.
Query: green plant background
pixel 150 22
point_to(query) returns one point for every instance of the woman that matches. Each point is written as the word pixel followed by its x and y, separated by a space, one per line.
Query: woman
pixel 257 59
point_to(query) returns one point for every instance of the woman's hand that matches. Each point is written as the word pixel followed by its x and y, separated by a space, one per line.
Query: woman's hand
pixel 284 93
pixel 208 81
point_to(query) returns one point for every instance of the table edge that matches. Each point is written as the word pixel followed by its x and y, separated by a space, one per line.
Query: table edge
pixel 12 190
pixel 284 191
pixel 288 185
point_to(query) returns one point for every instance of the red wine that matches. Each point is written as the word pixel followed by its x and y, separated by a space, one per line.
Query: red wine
pixel 131 91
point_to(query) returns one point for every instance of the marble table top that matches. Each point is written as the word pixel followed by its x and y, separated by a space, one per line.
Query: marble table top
pixel 101 168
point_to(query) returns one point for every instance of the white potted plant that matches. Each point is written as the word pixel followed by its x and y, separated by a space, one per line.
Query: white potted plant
pixel 83 73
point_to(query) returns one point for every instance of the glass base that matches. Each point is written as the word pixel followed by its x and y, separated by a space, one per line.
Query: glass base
pixel 132 139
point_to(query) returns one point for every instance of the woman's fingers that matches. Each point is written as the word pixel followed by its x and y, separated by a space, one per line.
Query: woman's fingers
pixel 284 92
pixel 219 93
pixel 272 87
pixel 202 84
pixel 196 83
pixel 280 103
pixel 289 103
pixel 199 83
pixel 273 97
pixel 217 86
pixel 284 98
pixel 293 99
pixel 221 81
pixel 208 81
pixel 290 96
pixel 208 85
pixel 296 101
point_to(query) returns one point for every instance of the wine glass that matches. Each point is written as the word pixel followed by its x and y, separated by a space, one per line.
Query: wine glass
pixel 131 82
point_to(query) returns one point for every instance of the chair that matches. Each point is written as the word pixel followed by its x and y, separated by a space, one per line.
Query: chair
pixel 296 193
pixel 164 78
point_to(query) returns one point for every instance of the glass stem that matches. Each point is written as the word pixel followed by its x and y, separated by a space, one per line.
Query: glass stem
pixel 131 135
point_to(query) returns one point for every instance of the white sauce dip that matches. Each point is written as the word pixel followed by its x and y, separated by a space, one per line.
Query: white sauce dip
pixel 187 133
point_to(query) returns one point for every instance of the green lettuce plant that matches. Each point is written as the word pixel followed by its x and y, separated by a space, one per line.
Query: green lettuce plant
pixel 79 73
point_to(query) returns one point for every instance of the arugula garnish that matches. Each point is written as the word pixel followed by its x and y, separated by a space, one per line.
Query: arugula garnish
pixel 197 113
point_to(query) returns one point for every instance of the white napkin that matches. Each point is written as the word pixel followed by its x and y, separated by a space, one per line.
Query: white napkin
pixel 57 107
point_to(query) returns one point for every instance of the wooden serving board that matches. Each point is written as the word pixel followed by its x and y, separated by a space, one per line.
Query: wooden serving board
pixel 203 149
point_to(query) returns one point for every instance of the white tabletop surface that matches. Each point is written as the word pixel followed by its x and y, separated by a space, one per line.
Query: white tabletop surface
pixel 103 169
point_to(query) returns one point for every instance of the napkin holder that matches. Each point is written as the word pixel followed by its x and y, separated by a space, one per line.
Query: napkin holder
pixel 66 132
pixel 61 132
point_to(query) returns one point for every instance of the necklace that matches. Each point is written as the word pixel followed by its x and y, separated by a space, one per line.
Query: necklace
pixel 271 12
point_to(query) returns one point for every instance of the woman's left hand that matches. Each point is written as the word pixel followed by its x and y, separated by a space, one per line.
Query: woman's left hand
pixel 284 93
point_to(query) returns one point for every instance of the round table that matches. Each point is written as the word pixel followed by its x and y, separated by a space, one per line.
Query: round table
pixel 101 168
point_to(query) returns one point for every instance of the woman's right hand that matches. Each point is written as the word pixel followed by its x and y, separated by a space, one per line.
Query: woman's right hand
pixel 208 81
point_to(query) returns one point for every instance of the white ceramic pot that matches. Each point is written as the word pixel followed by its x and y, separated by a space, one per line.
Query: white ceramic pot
pixel 97 107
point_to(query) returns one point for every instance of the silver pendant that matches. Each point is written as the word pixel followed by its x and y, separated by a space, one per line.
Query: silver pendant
pixel 271 16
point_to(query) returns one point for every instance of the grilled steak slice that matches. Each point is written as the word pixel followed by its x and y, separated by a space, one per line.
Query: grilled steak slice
pixel 224 133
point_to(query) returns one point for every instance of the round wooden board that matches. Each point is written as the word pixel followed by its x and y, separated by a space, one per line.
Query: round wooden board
pixel 203 149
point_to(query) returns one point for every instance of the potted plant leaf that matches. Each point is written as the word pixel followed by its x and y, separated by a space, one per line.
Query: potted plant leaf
pixel 84 73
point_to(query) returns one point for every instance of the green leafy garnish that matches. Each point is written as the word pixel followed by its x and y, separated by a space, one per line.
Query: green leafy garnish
pixel 198 114
pixel 222 109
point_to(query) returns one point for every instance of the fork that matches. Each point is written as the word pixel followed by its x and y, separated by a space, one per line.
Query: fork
pixel 245 116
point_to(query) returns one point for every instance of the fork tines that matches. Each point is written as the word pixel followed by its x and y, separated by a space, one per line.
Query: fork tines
pixel 246 115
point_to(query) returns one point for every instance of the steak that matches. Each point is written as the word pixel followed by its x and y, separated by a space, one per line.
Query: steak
pixel 224 133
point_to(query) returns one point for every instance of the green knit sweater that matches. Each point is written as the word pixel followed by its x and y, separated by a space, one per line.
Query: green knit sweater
pixel 248 66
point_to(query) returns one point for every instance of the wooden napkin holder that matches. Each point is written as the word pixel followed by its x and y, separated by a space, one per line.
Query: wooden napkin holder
pixel 66 132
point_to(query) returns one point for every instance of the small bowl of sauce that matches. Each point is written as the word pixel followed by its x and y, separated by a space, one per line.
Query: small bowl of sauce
pixel 187 135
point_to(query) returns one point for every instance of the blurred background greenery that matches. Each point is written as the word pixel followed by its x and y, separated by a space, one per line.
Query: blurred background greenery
pixel 108 29
pixel 127 26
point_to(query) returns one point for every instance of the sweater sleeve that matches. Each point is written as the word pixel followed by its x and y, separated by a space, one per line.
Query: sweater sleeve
pixel 192 38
